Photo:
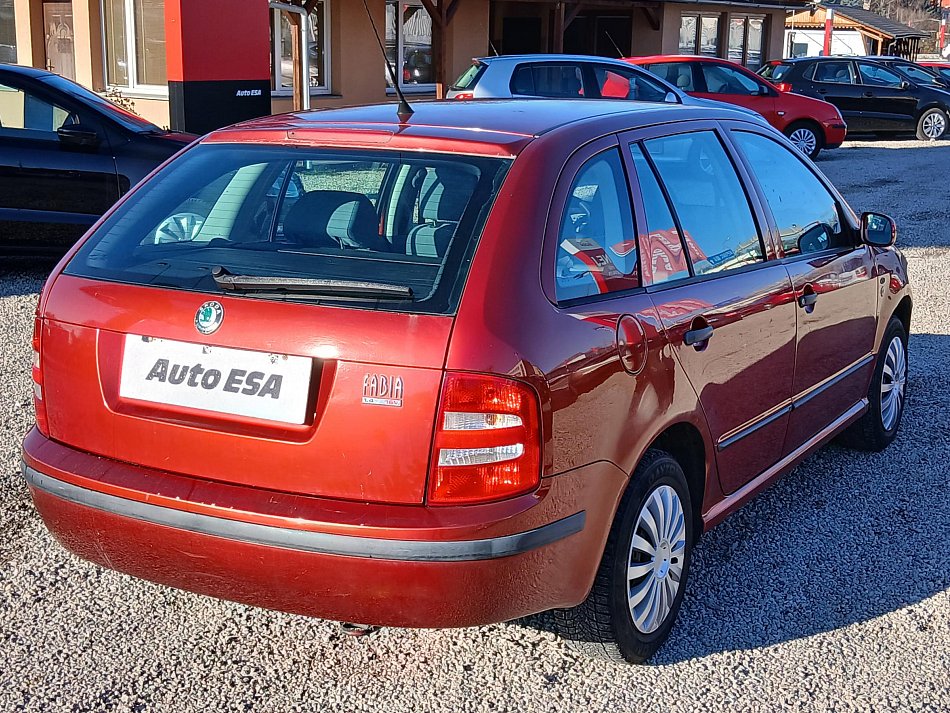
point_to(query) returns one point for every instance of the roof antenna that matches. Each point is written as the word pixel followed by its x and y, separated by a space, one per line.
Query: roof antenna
pixel 614 43
pixel 403 111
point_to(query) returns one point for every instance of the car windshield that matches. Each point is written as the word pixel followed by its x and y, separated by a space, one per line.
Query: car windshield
pixel 775 72
pixel 918 74
pixel 374 229
pixel 130 121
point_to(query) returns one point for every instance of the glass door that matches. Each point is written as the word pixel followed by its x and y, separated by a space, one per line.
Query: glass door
pixel 58 27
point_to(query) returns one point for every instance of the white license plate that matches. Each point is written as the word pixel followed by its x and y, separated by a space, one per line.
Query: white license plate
pixel 274 387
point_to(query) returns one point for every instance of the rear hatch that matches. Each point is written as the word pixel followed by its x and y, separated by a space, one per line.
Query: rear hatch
pixel 272 316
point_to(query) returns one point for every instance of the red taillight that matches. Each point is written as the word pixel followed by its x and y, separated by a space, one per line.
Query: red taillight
pixel 39 405
pixel 464 95
pixel 487 440
pixel 784 87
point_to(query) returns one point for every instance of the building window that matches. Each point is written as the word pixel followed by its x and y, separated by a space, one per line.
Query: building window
pixel 409 37
pixel 699 34
pixel 746 40
pixel 133 33
pixel 7 32
pixel 282 62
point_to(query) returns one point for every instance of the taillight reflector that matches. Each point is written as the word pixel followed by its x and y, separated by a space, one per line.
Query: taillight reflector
pixel 39 404
pixel 487 442
pixel 464 95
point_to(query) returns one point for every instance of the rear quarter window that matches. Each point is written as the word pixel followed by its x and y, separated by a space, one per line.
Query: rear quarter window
pixel 776 72
pixel 396 220
pixel 597 247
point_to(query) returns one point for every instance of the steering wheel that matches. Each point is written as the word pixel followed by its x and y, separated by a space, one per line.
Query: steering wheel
pixel 578 213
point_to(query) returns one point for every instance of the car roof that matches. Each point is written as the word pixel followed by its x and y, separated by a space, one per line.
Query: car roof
pixel 550 58
pixel 24 71
pixel 491 127
pixel 679 58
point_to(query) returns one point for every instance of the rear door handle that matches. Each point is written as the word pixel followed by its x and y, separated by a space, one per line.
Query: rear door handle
pixel 809 299
pixel 821 91
pixel 869 95
pixel 697 337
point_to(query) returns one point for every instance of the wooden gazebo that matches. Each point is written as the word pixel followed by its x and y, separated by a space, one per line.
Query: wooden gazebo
pixel 882 35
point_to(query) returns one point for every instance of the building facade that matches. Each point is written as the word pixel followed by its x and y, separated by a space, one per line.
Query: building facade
pixel 190 64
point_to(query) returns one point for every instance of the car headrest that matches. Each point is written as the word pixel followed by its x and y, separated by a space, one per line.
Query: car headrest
pixel 445 194
pixel 333 219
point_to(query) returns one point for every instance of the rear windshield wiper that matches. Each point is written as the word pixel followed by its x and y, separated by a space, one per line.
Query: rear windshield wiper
pixel 275 284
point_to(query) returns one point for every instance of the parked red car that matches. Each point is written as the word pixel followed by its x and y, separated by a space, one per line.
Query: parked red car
pixel 424 375
pixel 810 124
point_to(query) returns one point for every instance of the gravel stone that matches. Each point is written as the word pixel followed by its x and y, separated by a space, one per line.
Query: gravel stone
pixel 829 592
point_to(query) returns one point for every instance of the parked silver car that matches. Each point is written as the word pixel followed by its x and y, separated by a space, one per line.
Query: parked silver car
pixel 569 76
pixel 561 76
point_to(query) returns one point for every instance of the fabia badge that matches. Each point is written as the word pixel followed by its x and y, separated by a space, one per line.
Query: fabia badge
pixel 209 317
pixel 382 390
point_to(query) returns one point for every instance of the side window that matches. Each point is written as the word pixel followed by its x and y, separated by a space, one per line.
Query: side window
pixel 548 80
pixel 709 201
pixel 661 249
pixel 806 213
pixel 20 110
pixel 725 80
pixel 878 76
pixel 834 72
pixel 679 74
pixel 597 249
pixel 617 83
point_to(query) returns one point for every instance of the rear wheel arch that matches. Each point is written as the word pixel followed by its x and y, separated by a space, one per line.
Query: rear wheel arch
pixel 684 442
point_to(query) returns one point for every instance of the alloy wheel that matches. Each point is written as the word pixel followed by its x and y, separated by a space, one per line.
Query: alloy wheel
pixel 179 228
pixel 893 381
pixel 804 140
pixel 656 558
pixel 934 125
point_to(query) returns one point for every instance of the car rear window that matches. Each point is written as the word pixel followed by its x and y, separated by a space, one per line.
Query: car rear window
pixel 316 225
pixel 775 72
pixel 469 78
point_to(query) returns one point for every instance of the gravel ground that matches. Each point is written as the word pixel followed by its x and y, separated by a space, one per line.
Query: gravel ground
pixel 830 592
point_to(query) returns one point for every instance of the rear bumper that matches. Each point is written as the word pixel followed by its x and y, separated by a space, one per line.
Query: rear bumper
pixel 539 551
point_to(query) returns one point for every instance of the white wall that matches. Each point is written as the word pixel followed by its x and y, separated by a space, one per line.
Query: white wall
pixel 849 42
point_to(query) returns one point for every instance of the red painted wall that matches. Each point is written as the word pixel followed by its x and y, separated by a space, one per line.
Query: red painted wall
pixel 209 40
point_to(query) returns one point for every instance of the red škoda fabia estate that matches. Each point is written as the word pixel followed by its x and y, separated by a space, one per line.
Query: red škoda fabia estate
pixel 506 357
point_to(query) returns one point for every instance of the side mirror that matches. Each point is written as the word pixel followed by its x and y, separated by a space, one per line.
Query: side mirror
pixel 77 135
pixel 671 98
pixel 905 84
pixel 878 230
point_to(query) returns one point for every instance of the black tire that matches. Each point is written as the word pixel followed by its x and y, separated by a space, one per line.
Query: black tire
pixel 870 433
pixel 806 128
pixel 602 625
pixel 932 117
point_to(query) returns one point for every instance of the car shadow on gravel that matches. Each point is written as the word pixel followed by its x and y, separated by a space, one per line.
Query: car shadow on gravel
pixel 843 539
pixel 24 275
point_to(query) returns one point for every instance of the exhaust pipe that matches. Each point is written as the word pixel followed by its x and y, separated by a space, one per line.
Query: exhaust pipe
pixel 355 630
